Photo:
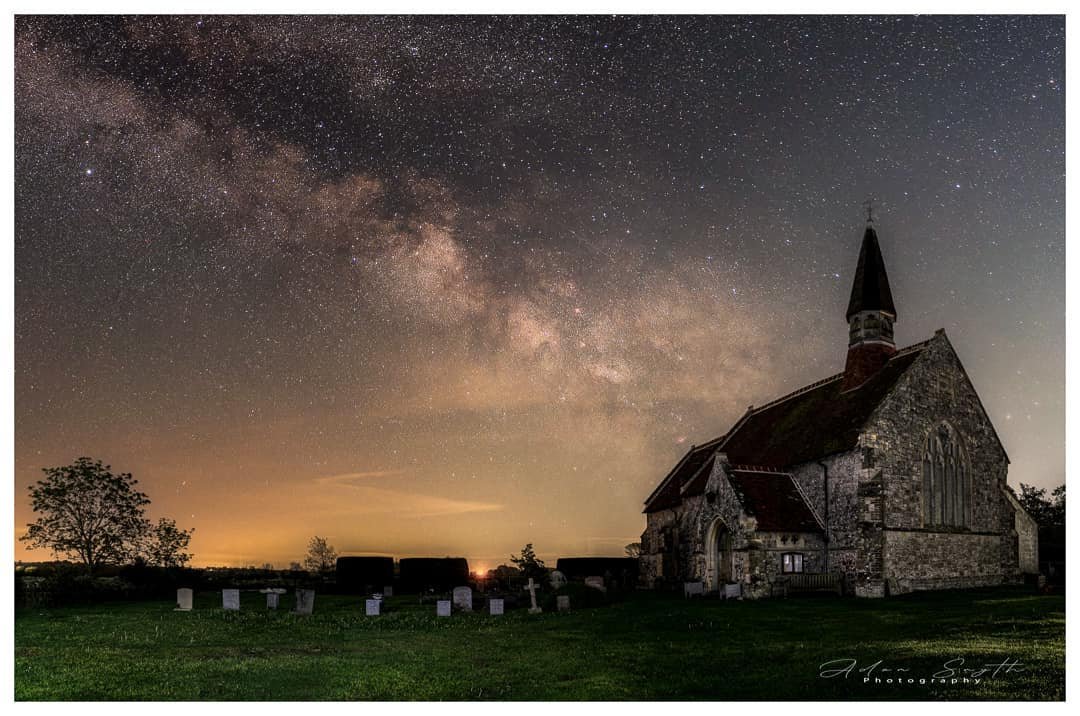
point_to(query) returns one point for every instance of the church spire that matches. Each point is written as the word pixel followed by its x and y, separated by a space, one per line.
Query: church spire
pixel 870 314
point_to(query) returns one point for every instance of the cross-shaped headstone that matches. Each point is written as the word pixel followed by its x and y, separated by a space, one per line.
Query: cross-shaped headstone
pixel 531 589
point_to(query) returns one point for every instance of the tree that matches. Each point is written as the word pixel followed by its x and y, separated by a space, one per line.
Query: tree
pixel 1048 512
pixel 164 544
pixel 633 550
pixel 87 513
pixel 321 557
pixel 529 565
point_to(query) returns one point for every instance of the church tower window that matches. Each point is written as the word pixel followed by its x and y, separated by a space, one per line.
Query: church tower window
pixel 946 479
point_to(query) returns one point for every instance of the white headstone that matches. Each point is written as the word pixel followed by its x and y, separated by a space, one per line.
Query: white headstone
pixel 557 579
pixel 371 607
pixel 272 600
pixel 388 591
pixel 230 599
pixel 305 601
pixel 531 589
pixel 463 598
pixel 693 589
pixel 596 583
pixel 442 608
pixel 563 602
pixel 732 591
pixel 183 599
pixel 495 606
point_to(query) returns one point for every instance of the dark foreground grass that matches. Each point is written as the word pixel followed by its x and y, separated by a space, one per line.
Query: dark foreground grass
pixel 645 647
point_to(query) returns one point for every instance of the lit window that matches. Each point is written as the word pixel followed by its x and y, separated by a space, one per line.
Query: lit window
pixel 792 562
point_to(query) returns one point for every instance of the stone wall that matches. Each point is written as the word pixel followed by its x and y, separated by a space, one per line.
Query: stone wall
pixel 1027 537
pixel 916 560
pixel 842 515
pixel 933 389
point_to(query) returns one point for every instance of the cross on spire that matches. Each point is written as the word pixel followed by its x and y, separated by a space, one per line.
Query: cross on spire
pixel 869 204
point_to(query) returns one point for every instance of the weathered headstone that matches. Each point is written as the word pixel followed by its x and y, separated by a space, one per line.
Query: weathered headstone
pixel 372 607
pixel 183 599
pixel 230 599
pixel 305 601
pixel 596 583
pixel 388 591
pixel 693 589
pixel 463 598
pixel 495 606
pixel 732 591
pixel 562 602
pixel 272 600
pixel 442 608
pixel 531 589
pixel 557 579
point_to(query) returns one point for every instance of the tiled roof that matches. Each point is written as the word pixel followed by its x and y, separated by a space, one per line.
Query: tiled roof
pixel 806 425
pixel 775 500
pixel 819 420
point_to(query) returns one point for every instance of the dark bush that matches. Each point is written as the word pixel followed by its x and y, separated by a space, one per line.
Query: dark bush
pixel 421 573
pixel 616 571
pixel 356 575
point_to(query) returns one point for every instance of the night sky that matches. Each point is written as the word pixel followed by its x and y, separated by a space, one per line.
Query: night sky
pixel 445 286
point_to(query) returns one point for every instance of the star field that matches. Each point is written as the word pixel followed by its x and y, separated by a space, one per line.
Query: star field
pixel 447 285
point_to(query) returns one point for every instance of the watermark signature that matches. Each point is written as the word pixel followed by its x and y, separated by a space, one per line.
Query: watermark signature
pixel 953 671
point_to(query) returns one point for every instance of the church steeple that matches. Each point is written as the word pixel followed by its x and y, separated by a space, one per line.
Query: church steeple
pixel 870 314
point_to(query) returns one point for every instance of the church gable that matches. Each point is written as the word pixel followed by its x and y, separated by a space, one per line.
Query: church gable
pixel 941 458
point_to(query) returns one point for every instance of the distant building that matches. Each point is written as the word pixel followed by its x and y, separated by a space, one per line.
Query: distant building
pixel 888 476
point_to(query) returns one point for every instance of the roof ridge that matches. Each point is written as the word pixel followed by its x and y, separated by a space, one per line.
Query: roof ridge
pixel 800 391
pixel 808 503
pixel 817 384
pixel 759 468
pixel 910 349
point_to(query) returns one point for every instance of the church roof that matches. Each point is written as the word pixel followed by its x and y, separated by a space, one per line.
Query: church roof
pixel 774 500
pixel 870 290
pixel 809 424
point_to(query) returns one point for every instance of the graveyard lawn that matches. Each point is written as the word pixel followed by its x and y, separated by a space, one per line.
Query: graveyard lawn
pixel 644 647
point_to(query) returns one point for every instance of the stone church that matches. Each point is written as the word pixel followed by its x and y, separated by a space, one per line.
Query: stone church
pixel 883 479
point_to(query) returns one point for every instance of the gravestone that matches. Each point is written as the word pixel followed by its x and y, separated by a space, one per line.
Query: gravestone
pixel 463 598
pixel 495 606
pixel 230 599
pixel 732 591
pixel 693 589
pixel 531 589
pixel 557 579
pixel 372 607
pixel 442 608
pixel 562 602
pixel 183 599
pixel 272 600
pixel 388 591
pixel 305 601
pixel 596 583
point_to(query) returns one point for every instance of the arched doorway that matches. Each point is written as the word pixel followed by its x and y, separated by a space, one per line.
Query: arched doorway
pixel 717 555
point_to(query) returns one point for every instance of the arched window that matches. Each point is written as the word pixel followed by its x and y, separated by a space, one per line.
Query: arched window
pixel 946 487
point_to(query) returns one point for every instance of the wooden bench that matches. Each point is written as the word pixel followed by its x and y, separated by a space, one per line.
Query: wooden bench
pixel 808 583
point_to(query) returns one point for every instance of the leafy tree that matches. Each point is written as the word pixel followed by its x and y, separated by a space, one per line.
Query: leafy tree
pixel 321 557
pixel 85 512
pixel 165 544
pixel 1047 511
pixel 633 549
pixel 295 567
pixel 527 562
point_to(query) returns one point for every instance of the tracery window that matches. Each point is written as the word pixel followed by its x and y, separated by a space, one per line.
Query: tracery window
pixel 946 479
pixel 791 563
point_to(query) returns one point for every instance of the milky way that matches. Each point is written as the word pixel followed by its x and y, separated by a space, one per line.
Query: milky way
pixel 450 285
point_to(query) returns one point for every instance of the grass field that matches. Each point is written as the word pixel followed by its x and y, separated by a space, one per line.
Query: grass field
pixel 642 648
